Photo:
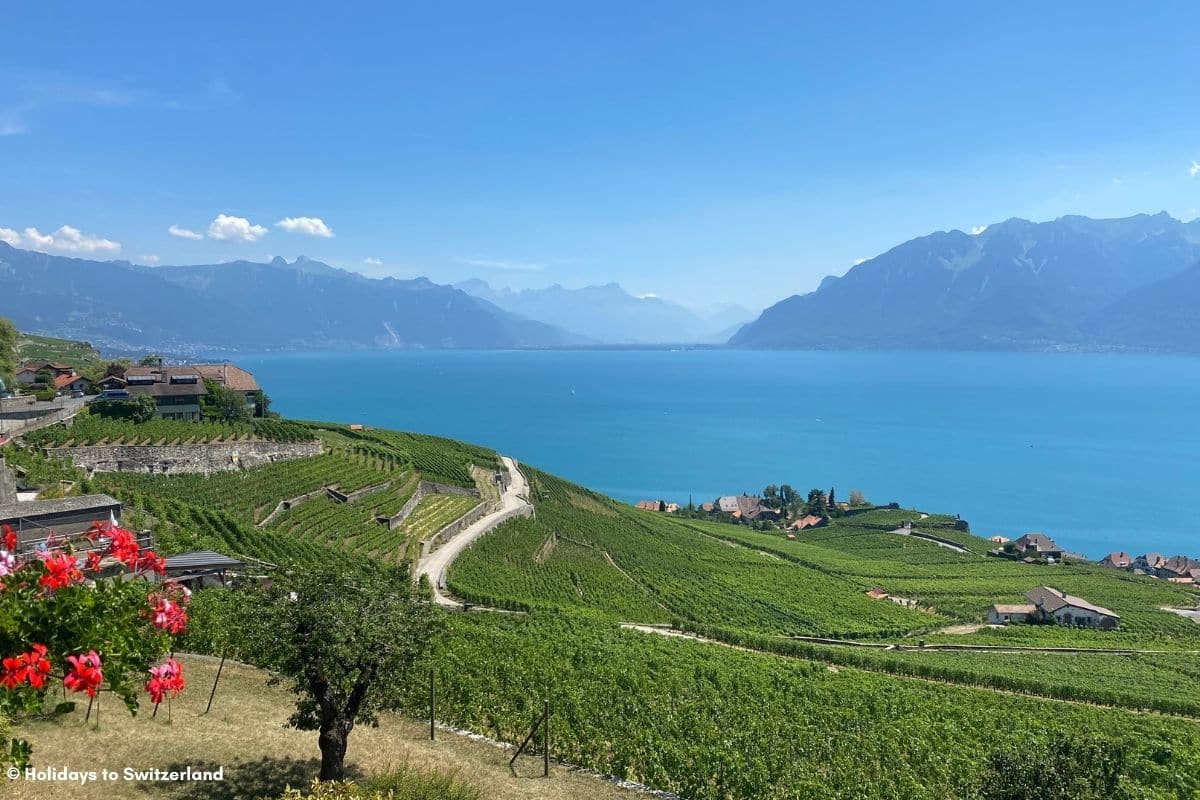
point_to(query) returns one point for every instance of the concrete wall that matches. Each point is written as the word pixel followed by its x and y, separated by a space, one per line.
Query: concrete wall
pixel 183 458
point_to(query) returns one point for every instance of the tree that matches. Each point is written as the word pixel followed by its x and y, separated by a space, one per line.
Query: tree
pixel 833 507
pixel 857 498
pixel 771 493
pixel 150 360
pixel 817 504
pixel 1064 769
pixel 8 352
pixel 788 495
pixel 224 404
pixel 262 404
pixel 140 408
pixel 345 639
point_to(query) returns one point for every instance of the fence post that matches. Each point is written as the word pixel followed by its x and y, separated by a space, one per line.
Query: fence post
pixel 432 700
pixel 546 739
pixel 216 680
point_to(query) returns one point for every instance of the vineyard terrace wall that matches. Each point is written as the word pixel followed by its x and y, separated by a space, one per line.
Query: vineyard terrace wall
pixel 181 459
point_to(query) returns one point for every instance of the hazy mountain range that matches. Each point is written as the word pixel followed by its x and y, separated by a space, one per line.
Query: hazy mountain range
pixel 610 315
pixel 246 305
pixel 1073 283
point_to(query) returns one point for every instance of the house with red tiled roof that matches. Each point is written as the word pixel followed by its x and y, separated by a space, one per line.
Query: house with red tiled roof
pixel 1117 560
pixel 232 377
pixel 806 522
pixel 71 383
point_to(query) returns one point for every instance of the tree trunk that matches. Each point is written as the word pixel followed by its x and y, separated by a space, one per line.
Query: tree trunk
pixel 332 742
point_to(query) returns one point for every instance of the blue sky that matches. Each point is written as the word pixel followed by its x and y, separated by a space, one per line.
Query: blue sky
pixel 703 152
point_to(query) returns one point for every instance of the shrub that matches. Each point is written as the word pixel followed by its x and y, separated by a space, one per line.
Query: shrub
pixel 403 784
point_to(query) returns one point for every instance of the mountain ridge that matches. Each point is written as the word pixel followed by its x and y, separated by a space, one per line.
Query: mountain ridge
pixel 1016 285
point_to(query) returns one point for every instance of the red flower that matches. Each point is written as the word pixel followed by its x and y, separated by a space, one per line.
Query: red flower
pixel 149 561
pixel 123 546
pixel 85 674
pixel 31 667
pixel 97 530
pixel 93 561
pixel 165 678
pixel 61 570
pixel 10 539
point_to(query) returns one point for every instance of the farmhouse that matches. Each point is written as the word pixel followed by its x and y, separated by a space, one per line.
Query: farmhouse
pixel 1178 567
pixel 29 372
pixel 806 522
pixel 72 383
pixel 651 505
pixel 1039 544
pixel 1064 609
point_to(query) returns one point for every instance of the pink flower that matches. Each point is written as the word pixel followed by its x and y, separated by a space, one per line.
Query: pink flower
pixel 166 678
pixel 85 674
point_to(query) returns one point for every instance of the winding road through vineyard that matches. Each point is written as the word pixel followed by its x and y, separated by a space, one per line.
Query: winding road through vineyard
pixel 513 502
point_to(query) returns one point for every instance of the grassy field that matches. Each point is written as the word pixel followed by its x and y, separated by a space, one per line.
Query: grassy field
pixel 244 733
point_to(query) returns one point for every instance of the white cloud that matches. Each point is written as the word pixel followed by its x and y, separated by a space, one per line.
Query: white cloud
pixel 978 229
pixel 1194 169
pixel 374 262
pixel 150 260
pixel 505 266
pixel 226 228
pixel 64 240
pixel 309 226
pixel 647 296
pixel 184 233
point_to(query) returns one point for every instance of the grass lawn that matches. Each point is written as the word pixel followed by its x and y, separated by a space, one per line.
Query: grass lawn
pixel 245 734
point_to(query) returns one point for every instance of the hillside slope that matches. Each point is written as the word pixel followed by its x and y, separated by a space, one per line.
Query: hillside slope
pixel 1016 285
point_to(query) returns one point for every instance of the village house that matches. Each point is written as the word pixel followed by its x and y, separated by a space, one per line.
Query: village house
pixel 806 522
pixel 671 508
pixel 1117 560
pixel 1000 539
pixel 651 505
pixel 1039 544
pixel 1049 605
pixel 1177 567
pixel 29 372
pixel 1149 563
pixel 231 377
pixel 176 391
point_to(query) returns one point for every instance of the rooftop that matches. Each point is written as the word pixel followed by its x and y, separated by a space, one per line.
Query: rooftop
pixel 62 505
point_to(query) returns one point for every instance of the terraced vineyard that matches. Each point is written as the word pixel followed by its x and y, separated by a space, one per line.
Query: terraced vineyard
pixel 88 429
pixel 251 495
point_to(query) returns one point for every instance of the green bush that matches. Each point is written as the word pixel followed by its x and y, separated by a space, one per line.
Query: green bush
pixel 403 784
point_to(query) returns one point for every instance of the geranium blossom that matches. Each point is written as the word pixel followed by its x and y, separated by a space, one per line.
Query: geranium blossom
pixel 10 539
pixel 8 563
pixel 85 674
pixel 166 678
pixel 61 570
pixel 93 561
pixel 168 607
pixel 31 667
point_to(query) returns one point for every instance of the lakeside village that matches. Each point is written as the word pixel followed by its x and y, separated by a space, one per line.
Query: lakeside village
pixel 785 512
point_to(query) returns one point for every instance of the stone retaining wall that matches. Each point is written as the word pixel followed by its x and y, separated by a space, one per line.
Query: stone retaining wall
pixel 183 459
pixel 424 489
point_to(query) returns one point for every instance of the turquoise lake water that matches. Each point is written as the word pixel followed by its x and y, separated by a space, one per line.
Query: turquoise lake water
pixel 1099 451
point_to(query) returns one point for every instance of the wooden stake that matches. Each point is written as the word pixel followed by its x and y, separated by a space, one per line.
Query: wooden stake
pixel 546 740
pixel 216 680
pixel 432 705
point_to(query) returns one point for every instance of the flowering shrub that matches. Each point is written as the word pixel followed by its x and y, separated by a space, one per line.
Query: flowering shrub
pixel 86 624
